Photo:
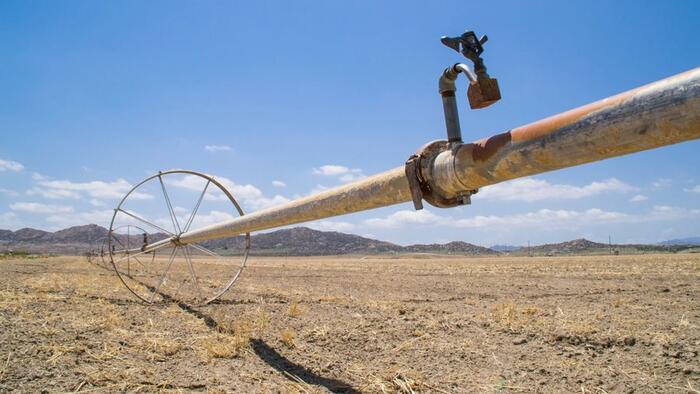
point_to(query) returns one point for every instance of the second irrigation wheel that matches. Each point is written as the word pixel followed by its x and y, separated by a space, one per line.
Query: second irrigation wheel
pixel 163 206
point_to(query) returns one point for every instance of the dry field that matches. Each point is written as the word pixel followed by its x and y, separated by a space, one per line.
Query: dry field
pixel 373 324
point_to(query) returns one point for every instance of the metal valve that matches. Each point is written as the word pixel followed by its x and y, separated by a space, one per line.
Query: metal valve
pixel 484 91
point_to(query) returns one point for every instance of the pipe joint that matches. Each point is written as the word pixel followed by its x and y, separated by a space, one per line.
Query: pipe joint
pixel 419 172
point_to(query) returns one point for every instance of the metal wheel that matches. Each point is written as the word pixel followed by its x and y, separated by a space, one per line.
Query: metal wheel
pixel 192 273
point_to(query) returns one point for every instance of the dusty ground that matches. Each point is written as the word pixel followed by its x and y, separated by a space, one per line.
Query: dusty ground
pixel 578 324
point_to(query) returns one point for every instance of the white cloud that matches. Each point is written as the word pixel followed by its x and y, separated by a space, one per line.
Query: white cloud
pixel 35 207
pixel 52 193
pixel 279 184
pixel 405 217
pixel 9 165
pixel 266 202
pixel 344 174
pixel 217 148
pixel 351 177
pixel 531 189
pixel 180 210
pixel 202 219
pixel 97 203
pixel 94 189
pixel 38 177
pixel 545 217
pixel 318 189
pixel 695 189
pixel 212 217
pixel 332 225
pixel 63 220
pixel 247 195
pixel 183 215
pixel 9 221
pixel 542 218
pixel 331 170
pixel 638 198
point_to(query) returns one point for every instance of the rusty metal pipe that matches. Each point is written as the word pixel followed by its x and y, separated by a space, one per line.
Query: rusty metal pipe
pixel 658 114
pixel 662 113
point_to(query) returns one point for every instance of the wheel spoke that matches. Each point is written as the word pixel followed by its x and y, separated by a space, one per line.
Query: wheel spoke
pixel 140 263
pixel 140 253
pixel 176 225
pixel 188 257
pixel 196 207
pixel 203 249
pixel 142 220
pixel 128 246
pixel 164 275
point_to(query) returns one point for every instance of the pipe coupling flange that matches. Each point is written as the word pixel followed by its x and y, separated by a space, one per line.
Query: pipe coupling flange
pixel 419 185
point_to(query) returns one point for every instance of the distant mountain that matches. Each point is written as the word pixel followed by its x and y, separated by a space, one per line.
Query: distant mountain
pixel 30 235
pixel 77 239
pixel 455 247
pixel 298 241
pixel 583 246
pixel 576 246
pixel 87 234
pixel 302 241
pixel 682 241
pixel 506 248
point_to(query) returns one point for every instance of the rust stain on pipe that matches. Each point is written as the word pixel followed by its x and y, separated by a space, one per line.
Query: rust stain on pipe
pixel 485 148
pixel 545 126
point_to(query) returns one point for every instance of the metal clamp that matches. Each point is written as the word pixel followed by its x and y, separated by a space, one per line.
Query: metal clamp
pixel 419 185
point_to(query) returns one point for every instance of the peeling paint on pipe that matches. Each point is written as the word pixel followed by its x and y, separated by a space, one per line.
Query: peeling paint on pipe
pixel 662 113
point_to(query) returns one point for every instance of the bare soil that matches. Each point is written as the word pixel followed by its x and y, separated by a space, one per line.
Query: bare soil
pixel 362 324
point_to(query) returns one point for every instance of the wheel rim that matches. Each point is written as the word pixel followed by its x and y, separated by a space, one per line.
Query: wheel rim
pixel 191 273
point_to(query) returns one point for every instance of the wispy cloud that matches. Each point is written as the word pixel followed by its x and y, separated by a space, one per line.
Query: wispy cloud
pixel 56 189
pixel 639 198
pixel 332 225
pixel 9 165
pixel 97 203
pixel 38 177
pixel 35 207
pixel 406 217
pixel 695 189
pixel 217 148
pixel 53 194
pixel 532 189
pixel 61 220
pixel 342 173
pixel 318 189
pixel 9 221
pixel 279 184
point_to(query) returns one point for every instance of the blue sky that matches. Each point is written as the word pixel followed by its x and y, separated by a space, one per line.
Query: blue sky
pixel 282 98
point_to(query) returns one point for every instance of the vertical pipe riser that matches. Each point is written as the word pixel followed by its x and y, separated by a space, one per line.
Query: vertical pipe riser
pixel 449 105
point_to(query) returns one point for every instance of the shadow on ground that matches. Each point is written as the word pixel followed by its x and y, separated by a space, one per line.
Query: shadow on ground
pixel 277 361
pixel 266 353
